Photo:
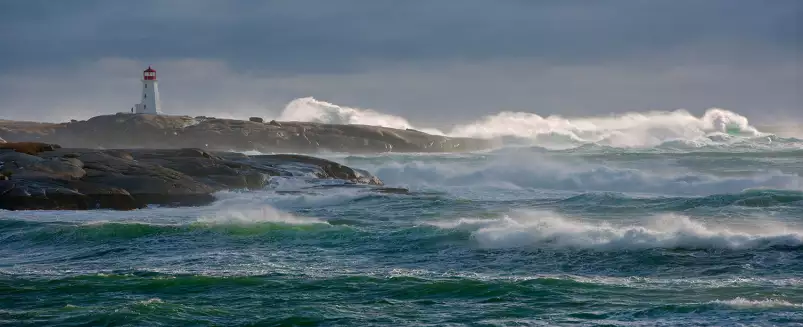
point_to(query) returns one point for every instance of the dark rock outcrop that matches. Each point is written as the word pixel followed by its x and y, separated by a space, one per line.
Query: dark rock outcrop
pixel 215 134
pixel 31 148
pixel 63 178
pixel 256 120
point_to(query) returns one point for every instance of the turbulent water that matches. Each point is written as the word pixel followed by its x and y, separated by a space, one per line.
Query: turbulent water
pixel 660 219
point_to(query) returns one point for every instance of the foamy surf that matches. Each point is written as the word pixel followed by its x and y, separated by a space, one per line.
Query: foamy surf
pixel 627 130
pixel 311 110
pixel 623 130
pixel 523 170
pixel 254 215
pixel 743 303
pixel 549 229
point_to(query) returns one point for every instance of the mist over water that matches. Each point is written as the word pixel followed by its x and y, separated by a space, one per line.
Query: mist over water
pixel 655 218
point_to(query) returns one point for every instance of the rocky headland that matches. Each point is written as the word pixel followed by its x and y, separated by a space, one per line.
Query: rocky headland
pixel 130 161
pixel 216 134
pixel 49 177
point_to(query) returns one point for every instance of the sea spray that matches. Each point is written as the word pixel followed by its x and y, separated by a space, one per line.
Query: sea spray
pixel 622 130
pixel 539 171
pixel 549 229
pixel 634 129
pixel 312 110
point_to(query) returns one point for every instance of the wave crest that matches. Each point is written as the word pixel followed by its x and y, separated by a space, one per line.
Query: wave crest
pixel 249 208
pixel 311 110
pixel 547 229
pixel 535 171
pixel 742 303
pixel 634 129
pixel 626 130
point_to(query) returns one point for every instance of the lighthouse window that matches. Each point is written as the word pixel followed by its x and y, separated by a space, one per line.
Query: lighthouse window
pixel 146 86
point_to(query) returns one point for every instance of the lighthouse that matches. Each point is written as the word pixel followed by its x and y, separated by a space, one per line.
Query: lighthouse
pixel 150 103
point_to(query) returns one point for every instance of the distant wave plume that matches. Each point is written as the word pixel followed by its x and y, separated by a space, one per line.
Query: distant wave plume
pixel 635 129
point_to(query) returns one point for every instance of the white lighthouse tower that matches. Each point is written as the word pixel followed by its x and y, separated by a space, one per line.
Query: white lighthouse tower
pixel 150 103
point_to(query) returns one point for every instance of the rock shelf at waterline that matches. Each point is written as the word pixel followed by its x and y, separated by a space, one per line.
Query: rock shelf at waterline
pixel 41 176
pixel 216 134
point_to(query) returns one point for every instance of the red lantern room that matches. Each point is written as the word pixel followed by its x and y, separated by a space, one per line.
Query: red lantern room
pixel 149 74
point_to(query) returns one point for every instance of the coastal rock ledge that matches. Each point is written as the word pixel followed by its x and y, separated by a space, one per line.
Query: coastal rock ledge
pixel 40 176
pixel 217 134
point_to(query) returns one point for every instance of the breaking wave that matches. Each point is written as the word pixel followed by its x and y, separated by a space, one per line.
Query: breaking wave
pixel 312 110
pixel 742 303
pixel 534 171
pixel 226 218
pixel 548 229
pixel 647 129
pixel 251 213
pixel 625 130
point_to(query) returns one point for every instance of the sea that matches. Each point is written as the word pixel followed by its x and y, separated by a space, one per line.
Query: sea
pixel 648 219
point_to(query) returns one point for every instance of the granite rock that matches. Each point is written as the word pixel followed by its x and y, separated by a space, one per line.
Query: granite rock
pixel 75 178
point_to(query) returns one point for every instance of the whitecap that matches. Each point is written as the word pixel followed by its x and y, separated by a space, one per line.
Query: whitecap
pixel 551 230
pixel 743 303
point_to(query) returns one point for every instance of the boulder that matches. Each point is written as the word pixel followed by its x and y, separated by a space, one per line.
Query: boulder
pixel 256 119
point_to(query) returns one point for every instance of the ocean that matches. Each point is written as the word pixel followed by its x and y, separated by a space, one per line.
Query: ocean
pixel 649 228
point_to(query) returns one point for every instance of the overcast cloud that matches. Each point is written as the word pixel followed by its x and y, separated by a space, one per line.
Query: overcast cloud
pixel 434 62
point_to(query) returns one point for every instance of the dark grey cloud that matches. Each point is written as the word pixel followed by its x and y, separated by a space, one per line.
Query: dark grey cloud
pixel 435 61
pixel 337 36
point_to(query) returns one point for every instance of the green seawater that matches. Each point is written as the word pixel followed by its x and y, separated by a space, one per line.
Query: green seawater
pixel 676 235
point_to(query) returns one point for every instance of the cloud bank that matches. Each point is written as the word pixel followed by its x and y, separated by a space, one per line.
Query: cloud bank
pixel 435 63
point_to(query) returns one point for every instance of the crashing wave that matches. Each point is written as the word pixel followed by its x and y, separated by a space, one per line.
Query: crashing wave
pixel 742 303
pixel 626 130
pixel 316 111
pixel 548 229
pixel 647 129
pixel 534 171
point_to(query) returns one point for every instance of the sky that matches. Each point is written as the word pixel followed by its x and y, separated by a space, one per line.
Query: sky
pixel 435 62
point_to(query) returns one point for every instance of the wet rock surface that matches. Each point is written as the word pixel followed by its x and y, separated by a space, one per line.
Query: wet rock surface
pixel 75 178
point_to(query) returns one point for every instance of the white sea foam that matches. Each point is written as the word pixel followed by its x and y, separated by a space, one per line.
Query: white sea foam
pixel 537 171
pixel 312 110
pixel 150 301
pixel 255 214
pixel 635 129
pixel 625 130
pixel 548 229
pixel 245 208
pixel 742 303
